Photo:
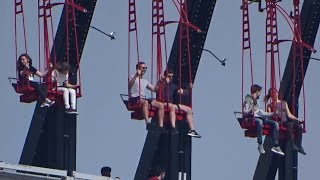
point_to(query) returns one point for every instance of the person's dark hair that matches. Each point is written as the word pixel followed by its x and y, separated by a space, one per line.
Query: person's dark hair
pixel 63 66
pixel 139 63
pixel 167 71
pixel 255 88
pixel 157 170
pixel 267 97
pixel 19 63
pixel 106 171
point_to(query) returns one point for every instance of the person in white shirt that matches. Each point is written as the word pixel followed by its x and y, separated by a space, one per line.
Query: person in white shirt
pixel 137 87
pixel 61 76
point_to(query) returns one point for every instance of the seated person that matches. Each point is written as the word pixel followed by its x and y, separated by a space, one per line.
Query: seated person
pixel 61 76
pixel 252 107
pixel 26 72
pixel 287 119
pixel 137 86
pixel 170 89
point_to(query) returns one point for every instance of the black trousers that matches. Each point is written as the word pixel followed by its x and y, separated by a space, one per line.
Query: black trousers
pixel 291 126
pixel 41 89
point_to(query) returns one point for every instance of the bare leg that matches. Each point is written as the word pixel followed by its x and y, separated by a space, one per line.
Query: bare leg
pixel 145 110
pixel 172 115
pixel 189 115
pixel 160 108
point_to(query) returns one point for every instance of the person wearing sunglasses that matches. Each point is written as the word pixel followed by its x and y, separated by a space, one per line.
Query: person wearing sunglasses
pixel 137 94
pixel 171 90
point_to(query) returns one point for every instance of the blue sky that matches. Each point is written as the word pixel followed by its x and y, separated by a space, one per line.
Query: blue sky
pixel 107 135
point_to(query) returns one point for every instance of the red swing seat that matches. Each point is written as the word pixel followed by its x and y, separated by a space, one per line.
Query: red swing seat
pixel 136 108
pixel 247 123
pixel 56 95
pixel 23 87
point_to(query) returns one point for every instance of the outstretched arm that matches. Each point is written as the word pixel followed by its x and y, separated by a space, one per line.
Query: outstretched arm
pixel 68 85
pixel 185 91
pixel 155 88
pixel 40 74
pixel 291 116
pixel 265 114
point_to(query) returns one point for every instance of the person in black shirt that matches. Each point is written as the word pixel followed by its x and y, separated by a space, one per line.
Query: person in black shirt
pixel 27 72
pixel 170 90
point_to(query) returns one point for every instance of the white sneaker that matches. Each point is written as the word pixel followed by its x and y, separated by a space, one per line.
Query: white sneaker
pixel 50 103
pixel 193 133
pixel 261 149
pixel 277 149
pixel 45 104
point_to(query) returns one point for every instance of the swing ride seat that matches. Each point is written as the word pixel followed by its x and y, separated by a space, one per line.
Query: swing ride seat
pixel 56 95
pixel 247 123
pixel 22 86
pixel 136 108
pixel 180 115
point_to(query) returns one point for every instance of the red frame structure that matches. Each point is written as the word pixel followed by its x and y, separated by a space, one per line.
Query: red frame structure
pixel 28 93
pixel 271 53
pixel 159 49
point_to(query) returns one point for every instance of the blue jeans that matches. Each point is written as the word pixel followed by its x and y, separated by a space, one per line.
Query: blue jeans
pixel 273 124
pixel 40 88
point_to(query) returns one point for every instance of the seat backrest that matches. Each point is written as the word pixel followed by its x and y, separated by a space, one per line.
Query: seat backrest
pixel 245 121
pixel 14 85
pixel 125 100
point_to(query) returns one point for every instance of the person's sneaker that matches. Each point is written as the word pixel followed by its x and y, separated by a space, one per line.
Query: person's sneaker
pixel 193 133
pixel 162 130
pixel 174 131
pixel 74 111
pixel 261 149
pixel 50 103
pixel 277 149
pixel 45 104
pixel 149 126
pixel 295 147
pixel 69 111
pixel 301 150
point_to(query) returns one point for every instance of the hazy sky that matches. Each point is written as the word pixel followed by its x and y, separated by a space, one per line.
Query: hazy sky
pixel 107 135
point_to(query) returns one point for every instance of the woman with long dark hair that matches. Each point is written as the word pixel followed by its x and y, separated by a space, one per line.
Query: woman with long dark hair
pixel 294 128
pixel 26 72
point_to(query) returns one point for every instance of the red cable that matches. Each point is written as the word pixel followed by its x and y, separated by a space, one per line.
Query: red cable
pixel 132 3
pixel 39 34
pixel 297 8
pixel 67 29
pixel 128 45
pixel 76 44
pixel 180 50
pixel 188 47
pixel 245 19
pixel 24 29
